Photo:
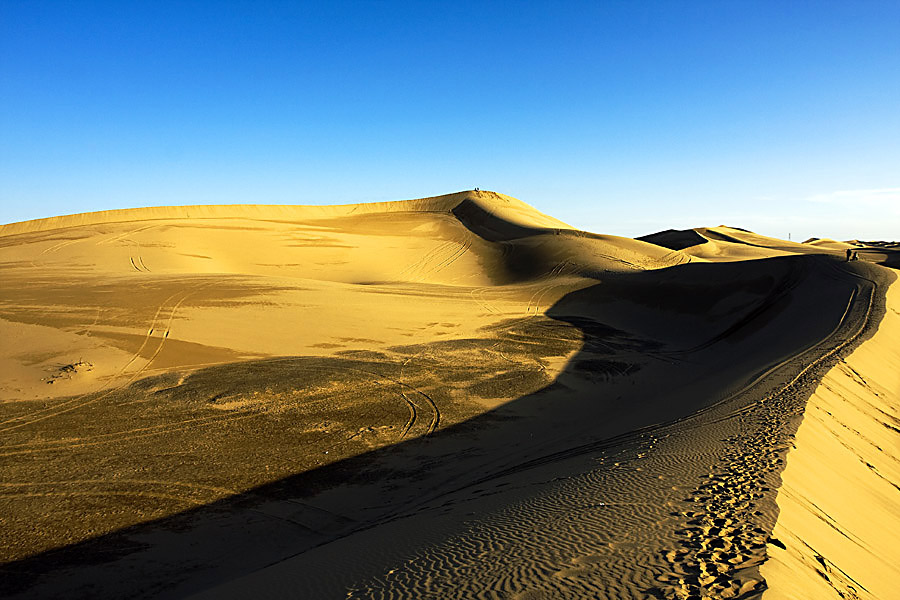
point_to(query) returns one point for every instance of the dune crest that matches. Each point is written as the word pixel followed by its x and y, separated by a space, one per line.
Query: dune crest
pixel 501 206
pixel 244 251
pixel 419 385
pixel 838 501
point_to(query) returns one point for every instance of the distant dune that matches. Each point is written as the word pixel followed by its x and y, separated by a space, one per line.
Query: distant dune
pixel 450 397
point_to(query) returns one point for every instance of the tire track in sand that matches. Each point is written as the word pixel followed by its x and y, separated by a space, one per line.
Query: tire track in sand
pixel 435 260
pixel 185 424
pixel 80 401
pixel 533 306
pixel 591 531
pixel 435 413
pixel 720 546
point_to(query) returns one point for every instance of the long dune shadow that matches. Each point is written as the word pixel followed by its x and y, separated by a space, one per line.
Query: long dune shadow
pixel 652 347
pixel 886 256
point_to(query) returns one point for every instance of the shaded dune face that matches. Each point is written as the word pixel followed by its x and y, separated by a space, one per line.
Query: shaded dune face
pixel 675 239
pixel 406 383
pixel 733 243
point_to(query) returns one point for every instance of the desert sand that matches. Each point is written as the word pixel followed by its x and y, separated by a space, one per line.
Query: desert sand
pixel 451 397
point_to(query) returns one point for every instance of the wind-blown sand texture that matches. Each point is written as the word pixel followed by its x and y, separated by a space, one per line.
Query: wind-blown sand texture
pixel 838 499
pixel 449 397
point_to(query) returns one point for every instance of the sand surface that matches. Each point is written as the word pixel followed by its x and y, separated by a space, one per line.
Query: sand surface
pixel 839 517
pixel 448 397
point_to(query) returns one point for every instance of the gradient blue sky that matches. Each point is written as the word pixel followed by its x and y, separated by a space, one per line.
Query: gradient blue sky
pixel 617 117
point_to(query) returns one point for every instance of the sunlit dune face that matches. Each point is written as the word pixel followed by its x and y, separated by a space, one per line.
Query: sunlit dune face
pixel 333 367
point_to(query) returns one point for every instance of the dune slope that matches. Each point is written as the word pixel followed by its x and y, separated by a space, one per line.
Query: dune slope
pixel 839 498
pixel 387 399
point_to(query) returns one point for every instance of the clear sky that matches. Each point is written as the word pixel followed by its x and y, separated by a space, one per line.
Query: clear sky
pixel 617 117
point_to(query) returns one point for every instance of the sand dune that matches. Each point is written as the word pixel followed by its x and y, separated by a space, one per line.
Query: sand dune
pixel 455 396
pixel 839 497
pixel 257 266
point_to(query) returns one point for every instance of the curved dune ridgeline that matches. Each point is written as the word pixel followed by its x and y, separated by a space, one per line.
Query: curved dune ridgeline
pixel 449 397
pixel 839 498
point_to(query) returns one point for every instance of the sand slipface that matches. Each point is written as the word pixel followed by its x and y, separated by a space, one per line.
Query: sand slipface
pixel 455 396
pixel 839 517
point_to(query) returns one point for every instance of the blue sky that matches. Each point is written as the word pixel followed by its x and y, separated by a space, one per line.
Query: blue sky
pixel 617 117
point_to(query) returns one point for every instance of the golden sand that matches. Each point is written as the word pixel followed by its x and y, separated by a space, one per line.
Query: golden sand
pixel 447 397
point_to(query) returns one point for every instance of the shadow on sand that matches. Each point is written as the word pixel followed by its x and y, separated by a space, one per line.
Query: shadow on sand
pixel 655 346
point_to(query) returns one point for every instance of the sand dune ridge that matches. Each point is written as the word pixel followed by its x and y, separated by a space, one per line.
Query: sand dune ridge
pixel 458 395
